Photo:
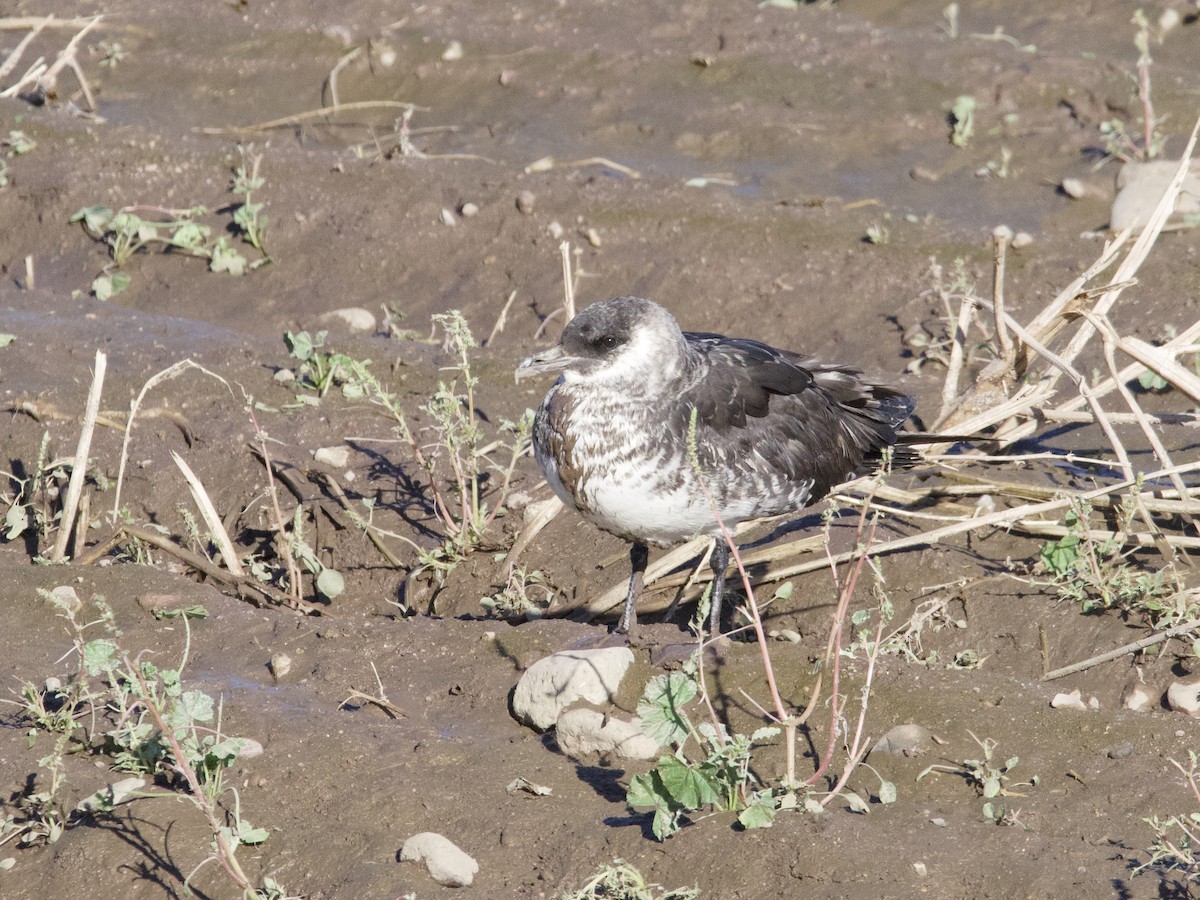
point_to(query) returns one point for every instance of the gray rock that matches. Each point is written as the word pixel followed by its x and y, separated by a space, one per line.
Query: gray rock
pixel 905 740
pixel 447 864
pixel 552 684
pixel 1141 185
pixel 1184 695
pixel 336 457
pixel 585 732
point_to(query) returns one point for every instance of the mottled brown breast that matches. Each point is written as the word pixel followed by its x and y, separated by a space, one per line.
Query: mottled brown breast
pixel 558 442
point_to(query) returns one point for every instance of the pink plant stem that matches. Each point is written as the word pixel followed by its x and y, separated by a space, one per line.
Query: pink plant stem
pixel 857 751
pixel 834 654
pixel 225 853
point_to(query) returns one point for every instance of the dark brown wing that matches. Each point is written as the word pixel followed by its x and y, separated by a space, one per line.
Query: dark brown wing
pixel 807 421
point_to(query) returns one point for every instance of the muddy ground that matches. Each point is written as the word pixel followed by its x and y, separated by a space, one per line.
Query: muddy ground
pixel 810 126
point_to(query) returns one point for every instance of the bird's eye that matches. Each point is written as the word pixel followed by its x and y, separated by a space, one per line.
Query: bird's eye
pixel 608 342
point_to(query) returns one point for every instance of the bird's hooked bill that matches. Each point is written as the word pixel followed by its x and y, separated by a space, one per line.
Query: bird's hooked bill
pixel 548 362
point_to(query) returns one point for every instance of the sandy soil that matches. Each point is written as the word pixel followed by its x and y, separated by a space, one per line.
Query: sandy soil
pixel 809 126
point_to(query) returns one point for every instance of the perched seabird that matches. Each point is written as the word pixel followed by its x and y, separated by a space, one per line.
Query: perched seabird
pixel 642 412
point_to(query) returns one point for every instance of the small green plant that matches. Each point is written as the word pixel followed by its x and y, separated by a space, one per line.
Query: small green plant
pixel 1119 142
pixel 719 776
pixel 459 447
pixel 136 229
pixel 113 54
pixel 878 234
pixel 248 216
pixel 526 594
pixel 458 456
pixel 989 777
pixel 1094 573
pixel 619 880
pixel 126 233
pixel 17 143
pixel 962 121
pixel 320 370
pixel 31 508
pixel 144 720
pixel 933 340
pixel 1176 847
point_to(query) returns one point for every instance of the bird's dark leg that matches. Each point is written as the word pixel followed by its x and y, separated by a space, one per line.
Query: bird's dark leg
pixel 719 562
pixel 639 555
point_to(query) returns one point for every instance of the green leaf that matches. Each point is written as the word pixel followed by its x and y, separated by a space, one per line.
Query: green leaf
pixel 6 339
pixel 226 751
pixel 109 285
pixel 760 813
pixel 887 792
pixel 644 791
pixel 226 259
pixel 95 219
pixel 764 734
pixel 857 803
pixel 330 583
pixel 190 236
pixel 99 655
pixel 192 706
pixel 665 824
pixel 247 834
pixel 686 786
pixel 661 707
pixel 991 786
pixel 1152 381
pixel 16 520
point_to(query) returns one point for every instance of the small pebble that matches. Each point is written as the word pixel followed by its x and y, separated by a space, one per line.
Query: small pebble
pixel 525 202
pixel 905 740
pixel 250 748
pixel 1073 700
pixel 1120 751
pixel 468 210
pixel 446 863
pixel 285 376
pixel 334 457
pixel 1137 697
pixel 1021 240
pixel 453 52
pixel 593 237
pixel 1184 695
pixel 555 230
pixel 447 217
pixel 1073 188
pixel 280 665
